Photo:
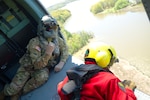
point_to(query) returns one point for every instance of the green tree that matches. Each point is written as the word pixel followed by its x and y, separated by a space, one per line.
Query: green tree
pixel 102 5
pixel 61 15
pixel 97 8
pixel 121 4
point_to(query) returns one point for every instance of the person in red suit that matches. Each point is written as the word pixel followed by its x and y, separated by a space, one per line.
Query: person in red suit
pixel 93 80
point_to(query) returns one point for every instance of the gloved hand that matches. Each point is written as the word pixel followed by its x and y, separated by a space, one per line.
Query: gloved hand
pixel 50 48
pixel 129 84
pixel 43 60
pixel 59 66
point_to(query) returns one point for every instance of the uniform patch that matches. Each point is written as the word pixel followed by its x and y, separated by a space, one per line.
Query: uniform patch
pixel 121 86
pixel 38 48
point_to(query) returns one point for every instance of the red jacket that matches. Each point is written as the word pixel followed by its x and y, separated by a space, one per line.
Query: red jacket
pixel 102 86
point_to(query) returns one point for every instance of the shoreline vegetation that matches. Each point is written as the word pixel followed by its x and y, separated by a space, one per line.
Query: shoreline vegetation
pixel 78 42
pixel 59 5
pixel 113 6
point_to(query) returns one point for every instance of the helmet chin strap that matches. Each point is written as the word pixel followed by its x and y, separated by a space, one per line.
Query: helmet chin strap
pixel 113 59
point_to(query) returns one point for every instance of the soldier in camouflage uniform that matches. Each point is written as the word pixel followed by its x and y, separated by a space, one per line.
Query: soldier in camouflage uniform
pixel 45 51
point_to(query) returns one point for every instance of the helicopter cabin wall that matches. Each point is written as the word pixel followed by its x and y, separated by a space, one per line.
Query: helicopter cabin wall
pixel 17 27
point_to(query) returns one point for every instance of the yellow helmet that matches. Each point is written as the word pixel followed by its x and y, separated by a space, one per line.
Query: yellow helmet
pixel 103 54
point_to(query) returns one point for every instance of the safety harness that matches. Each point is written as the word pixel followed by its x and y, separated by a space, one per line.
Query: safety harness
pixel 77 77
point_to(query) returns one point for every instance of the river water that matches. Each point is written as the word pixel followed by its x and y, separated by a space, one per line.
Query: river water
pixel 128 32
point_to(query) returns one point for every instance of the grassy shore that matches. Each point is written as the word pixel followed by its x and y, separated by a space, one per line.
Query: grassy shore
pixel 138 7
pixel 135 8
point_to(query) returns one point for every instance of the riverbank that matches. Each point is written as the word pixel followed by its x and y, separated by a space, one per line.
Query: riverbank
pixel 123 70
pixel 135 8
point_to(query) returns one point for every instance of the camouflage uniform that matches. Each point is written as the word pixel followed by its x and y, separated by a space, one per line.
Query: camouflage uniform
pixel 35 63
pixel 33 71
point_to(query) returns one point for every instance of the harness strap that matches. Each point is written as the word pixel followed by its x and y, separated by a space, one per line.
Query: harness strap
pixel 77 77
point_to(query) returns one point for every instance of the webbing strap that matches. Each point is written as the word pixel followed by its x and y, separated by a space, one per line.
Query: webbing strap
pixel 80 75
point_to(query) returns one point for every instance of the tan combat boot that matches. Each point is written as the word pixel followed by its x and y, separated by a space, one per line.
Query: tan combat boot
pixel 2 95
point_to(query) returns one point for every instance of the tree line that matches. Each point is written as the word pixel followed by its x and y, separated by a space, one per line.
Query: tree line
pixel 109 6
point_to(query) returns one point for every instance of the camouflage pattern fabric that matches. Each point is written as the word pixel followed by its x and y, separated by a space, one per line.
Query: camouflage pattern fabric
pixel 25 81
pixel 33 71
pixel 29 76
pixel 60 53
pixel 63 49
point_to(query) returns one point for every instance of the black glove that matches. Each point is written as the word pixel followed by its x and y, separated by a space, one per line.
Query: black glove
pixel 129 84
